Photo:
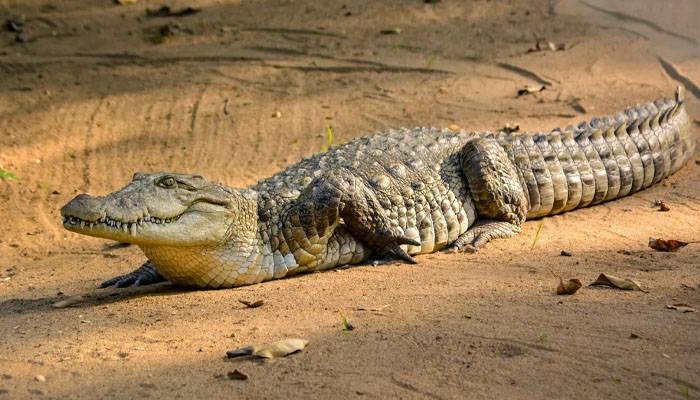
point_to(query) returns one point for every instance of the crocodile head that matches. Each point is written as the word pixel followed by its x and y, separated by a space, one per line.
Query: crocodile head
pixel 162 209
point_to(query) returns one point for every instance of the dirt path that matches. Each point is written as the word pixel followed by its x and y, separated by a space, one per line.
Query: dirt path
pixel 88 99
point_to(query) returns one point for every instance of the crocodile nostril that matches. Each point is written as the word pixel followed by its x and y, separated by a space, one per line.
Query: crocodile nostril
pixel 85 207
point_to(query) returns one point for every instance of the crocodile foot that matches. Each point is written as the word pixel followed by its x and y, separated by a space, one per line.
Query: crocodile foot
pixel 483 232
pixel 497 192
pixel 144 275
pixel 393 247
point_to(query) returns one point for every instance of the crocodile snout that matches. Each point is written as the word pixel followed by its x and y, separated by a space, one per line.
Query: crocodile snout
pixel 85 207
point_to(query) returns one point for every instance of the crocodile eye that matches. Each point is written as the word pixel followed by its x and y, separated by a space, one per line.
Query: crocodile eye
pixel 167 182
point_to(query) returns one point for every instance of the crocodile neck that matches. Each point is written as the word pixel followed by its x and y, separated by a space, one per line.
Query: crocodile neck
pixel 243 258
pixel 230 264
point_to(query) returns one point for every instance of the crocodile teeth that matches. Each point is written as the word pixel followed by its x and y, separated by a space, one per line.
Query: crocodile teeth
pixel 125 226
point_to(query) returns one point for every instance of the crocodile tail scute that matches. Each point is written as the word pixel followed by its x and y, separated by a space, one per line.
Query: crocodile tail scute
pixel 602 159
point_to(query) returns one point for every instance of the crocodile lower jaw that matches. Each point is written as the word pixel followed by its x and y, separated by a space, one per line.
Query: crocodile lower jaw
pixel 107 224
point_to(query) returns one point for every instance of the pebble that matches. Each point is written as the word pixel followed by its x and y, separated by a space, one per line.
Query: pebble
pixel 566 253
pixel 40 378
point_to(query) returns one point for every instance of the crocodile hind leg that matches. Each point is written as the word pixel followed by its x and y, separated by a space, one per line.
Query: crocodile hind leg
pixel 341 195
pixel 497 192
pixel 147 274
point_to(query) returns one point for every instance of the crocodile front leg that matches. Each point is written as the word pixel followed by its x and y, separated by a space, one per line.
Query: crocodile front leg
pixel 339 194
pixel 147 274
pixel 497 191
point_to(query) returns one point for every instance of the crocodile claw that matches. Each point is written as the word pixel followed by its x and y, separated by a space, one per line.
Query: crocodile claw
pixel 465 248
pixel 406 240
pixel 395 250
pixel 392 248
pixel 144 275
pixel 121 281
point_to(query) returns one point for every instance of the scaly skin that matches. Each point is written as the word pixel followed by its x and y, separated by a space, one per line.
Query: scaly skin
pixel 401 193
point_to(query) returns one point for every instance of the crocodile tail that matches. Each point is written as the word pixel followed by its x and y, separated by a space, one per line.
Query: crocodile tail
pixel 603 159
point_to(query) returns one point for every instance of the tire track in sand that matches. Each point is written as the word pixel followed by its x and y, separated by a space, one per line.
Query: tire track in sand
pixel 87 149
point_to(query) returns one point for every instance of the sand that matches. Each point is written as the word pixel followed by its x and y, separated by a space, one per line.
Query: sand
pixel 242 89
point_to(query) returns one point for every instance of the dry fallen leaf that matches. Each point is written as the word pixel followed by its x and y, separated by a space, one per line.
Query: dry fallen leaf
pixel 166 11
pixel 281 348
pixel 617 282
pixel 277 349
pixel 531 89
pixel 569 287
pixel 666 245
pixel 236 375
pixel 662 205
pixel 684 308
pixel 510 128
pixel 240 352
pixel 545 45
pixel 252 304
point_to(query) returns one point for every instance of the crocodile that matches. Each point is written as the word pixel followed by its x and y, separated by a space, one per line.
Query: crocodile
pixel 390 195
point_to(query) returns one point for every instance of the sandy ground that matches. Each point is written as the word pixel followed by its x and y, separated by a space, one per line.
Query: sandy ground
pixel 88 99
